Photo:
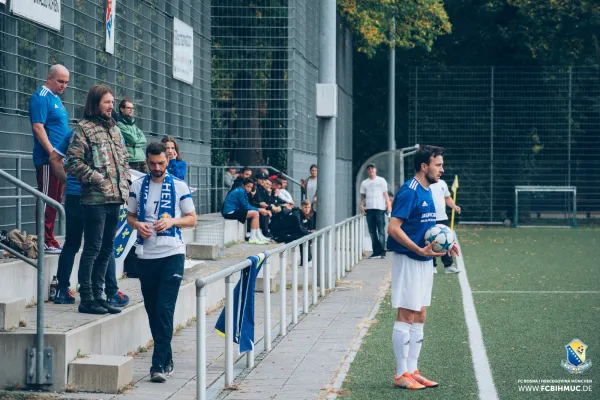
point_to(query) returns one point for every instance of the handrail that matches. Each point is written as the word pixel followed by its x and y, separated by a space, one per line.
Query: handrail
pixel 36 373
pixel 332 260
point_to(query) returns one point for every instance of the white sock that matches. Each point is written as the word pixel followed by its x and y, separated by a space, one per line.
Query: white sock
pixel 400 342
pixel 416 341
pixel 253 233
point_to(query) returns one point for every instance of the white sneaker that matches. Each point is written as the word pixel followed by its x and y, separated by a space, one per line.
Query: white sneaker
pixel 257 240
pixel 52 249
pixel 435 270
pixel 262 237
pixel 452 270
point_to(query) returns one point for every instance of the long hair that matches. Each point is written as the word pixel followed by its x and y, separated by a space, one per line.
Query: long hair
pixel 92 103
pixel 171 139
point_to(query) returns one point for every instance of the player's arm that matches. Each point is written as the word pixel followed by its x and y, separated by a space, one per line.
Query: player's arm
pixel 363 198
pixel 450 203
pixel 40 133
pixel 395 231
pixel 388 202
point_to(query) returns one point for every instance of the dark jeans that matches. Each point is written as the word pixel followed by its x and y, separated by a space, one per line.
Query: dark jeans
pixel 160 279
pixel 376 225
pixel 446 258
pixel 74 234
pixel 99 227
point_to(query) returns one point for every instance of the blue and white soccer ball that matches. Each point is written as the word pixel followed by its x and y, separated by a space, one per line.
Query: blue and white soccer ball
pixel 444 238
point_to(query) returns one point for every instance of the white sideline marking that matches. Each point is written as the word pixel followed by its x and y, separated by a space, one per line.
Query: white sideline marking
pixel 366 324
pixel 538 291
pixel 481 365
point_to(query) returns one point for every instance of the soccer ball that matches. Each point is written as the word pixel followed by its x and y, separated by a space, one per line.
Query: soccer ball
pixel 444 238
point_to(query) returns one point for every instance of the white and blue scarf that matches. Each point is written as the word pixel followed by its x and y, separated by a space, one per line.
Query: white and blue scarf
pixel 166 209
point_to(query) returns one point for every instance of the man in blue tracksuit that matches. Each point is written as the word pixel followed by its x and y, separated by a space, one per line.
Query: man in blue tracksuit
pixel 237 207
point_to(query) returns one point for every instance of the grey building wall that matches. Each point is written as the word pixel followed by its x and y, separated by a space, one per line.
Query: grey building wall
pixel 140 69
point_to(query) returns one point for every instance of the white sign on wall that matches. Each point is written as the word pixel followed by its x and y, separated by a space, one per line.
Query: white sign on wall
pixel 183 51
pixel 109 26
pixel 44 12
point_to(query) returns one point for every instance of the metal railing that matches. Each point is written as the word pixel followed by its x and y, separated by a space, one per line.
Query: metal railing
pixel 209 180
pixel 336 249
pixel 39 368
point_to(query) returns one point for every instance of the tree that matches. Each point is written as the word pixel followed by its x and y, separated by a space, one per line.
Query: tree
pixel 417 23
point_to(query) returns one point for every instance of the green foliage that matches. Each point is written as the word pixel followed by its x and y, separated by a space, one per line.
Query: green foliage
pixel 417 23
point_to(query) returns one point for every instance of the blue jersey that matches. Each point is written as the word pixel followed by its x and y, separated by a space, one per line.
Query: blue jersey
pixel 414 204
pixel 46 108
pixel 73 185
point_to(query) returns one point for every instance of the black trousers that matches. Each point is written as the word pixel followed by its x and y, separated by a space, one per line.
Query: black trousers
pixel 376 225
pixel 446 258
pixel 160 279
pixel 99 229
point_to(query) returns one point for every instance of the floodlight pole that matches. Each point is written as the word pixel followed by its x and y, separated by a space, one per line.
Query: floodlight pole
pixel 392 110
pixel 327 125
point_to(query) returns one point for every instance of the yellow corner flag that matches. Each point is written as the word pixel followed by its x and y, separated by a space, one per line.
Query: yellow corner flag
pixel 454 190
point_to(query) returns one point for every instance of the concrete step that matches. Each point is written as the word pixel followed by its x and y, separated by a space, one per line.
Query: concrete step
pixel 11 313
pixel 99 373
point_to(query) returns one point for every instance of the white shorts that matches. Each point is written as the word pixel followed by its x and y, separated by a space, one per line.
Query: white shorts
pixel 412 282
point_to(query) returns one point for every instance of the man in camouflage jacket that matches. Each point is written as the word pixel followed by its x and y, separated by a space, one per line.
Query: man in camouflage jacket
pixel 97 157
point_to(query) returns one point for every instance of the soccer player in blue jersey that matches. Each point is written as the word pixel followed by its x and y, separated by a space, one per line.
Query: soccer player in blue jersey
pixel 50 123
pixel 413 213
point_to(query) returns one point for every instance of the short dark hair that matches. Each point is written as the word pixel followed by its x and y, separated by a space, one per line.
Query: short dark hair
pixel 247 181
pixel 424 154
pixel 122 103
pixel 92 103
pixel 167 139
pixel 313 166
pixel 155 148
pixel 276 181
pixel 246 169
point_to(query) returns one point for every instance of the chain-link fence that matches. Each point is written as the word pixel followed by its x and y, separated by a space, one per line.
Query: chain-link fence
pixel 503 127
pixel 140 69
pixel 265 69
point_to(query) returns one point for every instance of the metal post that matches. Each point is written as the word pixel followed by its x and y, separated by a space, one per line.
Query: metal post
pixel 19 201
pixel 516 216
pixel 322 252
pixel 401 172
pixel 250 359
pixel 39 342
pixel 492 145
pixel 228 331
pixel 305 250
pixel 361 238
pixel 347 242
pixel 338 250
pixel 392 106
pixel 355 252
pixel 198 209
pixel 327 126
pixel 282 283
pixel 330 265
pixel 575 207
pixel 569 128
pixel 267 293
pixel 295 285
pixel 201 344
pixel 315 269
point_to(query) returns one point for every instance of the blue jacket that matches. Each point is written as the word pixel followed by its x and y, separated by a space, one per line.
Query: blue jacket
pixel 177 168
pixel 237 199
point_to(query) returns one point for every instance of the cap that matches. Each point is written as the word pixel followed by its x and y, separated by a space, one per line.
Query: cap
pixel 371 166
pixel 261 175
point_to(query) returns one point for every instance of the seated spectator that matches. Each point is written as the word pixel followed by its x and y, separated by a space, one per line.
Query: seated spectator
pixel 177 167
pixel 261 198
pixel 236 207
pixel 244 174
pixel 229 177
pixel 282 194
pixel 308 216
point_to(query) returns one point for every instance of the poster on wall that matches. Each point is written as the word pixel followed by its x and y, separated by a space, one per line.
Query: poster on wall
pixel 44 12
pixel 109 26
pixel 183 51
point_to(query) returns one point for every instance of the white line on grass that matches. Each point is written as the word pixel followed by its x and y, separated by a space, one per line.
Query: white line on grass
pixel 481 365
pixel 538 291
pixel 343 371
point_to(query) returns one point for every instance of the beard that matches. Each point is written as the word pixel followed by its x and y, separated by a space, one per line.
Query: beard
pixel 157 173
pixel 431 179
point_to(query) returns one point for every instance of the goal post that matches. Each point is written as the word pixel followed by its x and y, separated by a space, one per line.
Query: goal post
pixel 546 209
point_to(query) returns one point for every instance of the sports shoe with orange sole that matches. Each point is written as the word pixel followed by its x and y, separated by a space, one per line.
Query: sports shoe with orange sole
pixel 406 381
pixel 422 380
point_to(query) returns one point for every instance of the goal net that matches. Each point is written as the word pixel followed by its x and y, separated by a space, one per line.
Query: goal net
pixel 545 206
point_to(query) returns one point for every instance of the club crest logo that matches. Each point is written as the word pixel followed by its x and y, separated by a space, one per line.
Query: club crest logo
pixel 576 361
pixel 166 215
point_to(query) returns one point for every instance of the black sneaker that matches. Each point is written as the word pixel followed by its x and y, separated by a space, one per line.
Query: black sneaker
pixel 64 296
pixel 91 307
pixel 169 368
pixel 374 256
pixel 103 303
pixel 383 257
pixel 157 374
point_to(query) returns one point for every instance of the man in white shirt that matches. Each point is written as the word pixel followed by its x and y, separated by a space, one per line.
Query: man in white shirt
pixel 159 206
pixel 374 203
pixel 441 199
